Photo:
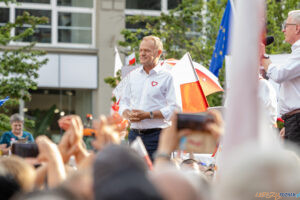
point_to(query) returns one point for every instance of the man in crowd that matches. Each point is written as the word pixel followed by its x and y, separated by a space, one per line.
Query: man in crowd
pixel 288 76
pixel 16 133
pixel 149 98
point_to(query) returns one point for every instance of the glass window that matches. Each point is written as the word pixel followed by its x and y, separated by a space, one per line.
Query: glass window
pixel 173 3
pixel 42 33
pixel 34 1
pixel 4 16
pixel 75 28
pixel 144 5
pixel 130 25
pixel 76 3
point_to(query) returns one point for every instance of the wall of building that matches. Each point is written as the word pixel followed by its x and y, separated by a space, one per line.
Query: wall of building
pixel 110 20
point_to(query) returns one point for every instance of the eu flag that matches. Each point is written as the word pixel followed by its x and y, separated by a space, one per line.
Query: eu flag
pixel 221 46
pixel 2 101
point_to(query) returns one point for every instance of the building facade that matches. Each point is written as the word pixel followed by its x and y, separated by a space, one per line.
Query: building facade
pixel 79 40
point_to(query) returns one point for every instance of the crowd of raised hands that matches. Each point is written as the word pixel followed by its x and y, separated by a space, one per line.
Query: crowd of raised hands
pixel 68 170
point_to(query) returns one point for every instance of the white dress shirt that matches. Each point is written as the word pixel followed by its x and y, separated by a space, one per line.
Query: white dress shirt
pixel 267 96
pixel 288 76
pixel 150 92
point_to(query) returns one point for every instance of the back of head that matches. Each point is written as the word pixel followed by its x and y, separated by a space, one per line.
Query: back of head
pixel 176 185
pixel 59 193
pixel 256 170
pixel 126 185
pixel 8 187
pixel 114 158
pixel 120 173
pixel 23 173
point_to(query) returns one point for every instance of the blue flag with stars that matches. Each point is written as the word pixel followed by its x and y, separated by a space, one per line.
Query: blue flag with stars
pixel 221 46
pixel 2 101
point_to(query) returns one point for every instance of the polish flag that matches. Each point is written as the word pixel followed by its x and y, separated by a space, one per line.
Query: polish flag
pixel 188 88
pixel 209 82
pixel 118 62
pixel 130 60
pixel 139 147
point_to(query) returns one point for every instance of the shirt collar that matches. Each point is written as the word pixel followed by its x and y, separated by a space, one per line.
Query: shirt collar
pixel 296 45
pixel 156 69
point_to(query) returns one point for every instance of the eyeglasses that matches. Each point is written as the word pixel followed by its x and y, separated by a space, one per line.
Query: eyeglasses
pixel 286 24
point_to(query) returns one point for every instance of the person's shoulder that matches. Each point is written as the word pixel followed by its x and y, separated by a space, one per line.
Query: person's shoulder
pixel 26 133
pixel 7 133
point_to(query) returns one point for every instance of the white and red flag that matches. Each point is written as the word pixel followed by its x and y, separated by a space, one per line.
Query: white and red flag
pixel 188 89
pixel 139 147
pixel 130 60
pixel 118 62
pixel 209 82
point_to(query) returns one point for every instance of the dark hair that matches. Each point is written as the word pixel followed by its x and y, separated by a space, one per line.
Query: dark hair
pixel 189 161
pixel 120 173
pixel 8 187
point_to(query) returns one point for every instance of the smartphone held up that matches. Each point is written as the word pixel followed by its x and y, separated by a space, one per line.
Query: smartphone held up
pixel 200 140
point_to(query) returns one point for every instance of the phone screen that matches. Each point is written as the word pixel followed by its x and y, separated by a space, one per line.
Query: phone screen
pixel 25 149
pixel 193 121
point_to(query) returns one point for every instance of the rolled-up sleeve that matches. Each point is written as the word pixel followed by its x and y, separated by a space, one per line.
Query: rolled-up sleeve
pixel 288 71
pixel 172 105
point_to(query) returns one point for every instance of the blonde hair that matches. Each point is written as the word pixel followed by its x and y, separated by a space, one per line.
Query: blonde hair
pixel 157 42
pixel 23 173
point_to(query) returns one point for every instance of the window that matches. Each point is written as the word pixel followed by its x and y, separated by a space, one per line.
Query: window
pixel 4 16
pixel 76 3
pixel 144 5
pixel 173 3
pixel 70 22
pixel 42 33
pixel 34 1
pixel 74 28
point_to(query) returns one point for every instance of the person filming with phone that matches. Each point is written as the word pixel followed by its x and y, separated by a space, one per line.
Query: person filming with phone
pixel 16 133
pixel 149 98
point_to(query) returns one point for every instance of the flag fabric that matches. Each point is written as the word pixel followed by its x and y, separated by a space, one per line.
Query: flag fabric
pixel 209 82
pixel 118 62
pixel 2 101
pixel 139 147
pixel 188 90
pixel 130 60
pixel 242 109
pixel 221 46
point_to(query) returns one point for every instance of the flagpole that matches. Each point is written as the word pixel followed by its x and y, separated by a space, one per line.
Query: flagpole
pixel 233 8
pixel 197 78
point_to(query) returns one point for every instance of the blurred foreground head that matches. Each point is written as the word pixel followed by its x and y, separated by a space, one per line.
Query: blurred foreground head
pixel 22 172
pixel 120 173
pixel 177 185
pixel 253 170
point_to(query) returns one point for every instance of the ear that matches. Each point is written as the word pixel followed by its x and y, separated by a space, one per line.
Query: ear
pixel 298 28
pixel 159 52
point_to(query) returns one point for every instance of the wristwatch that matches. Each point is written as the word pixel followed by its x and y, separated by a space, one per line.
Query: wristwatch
pixel 151 115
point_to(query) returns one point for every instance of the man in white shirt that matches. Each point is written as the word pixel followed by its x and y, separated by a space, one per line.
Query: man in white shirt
pixel 288 76
pixel 148 99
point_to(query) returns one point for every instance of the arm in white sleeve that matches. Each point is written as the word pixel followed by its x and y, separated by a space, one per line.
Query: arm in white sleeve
pixel 168 110
pixel 288 71
pixel 125 98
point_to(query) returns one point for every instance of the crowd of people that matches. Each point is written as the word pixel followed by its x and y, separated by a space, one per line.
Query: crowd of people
pixel 113 170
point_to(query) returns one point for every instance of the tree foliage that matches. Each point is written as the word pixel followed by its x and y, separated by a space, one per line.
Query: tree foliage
pixel 19 63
